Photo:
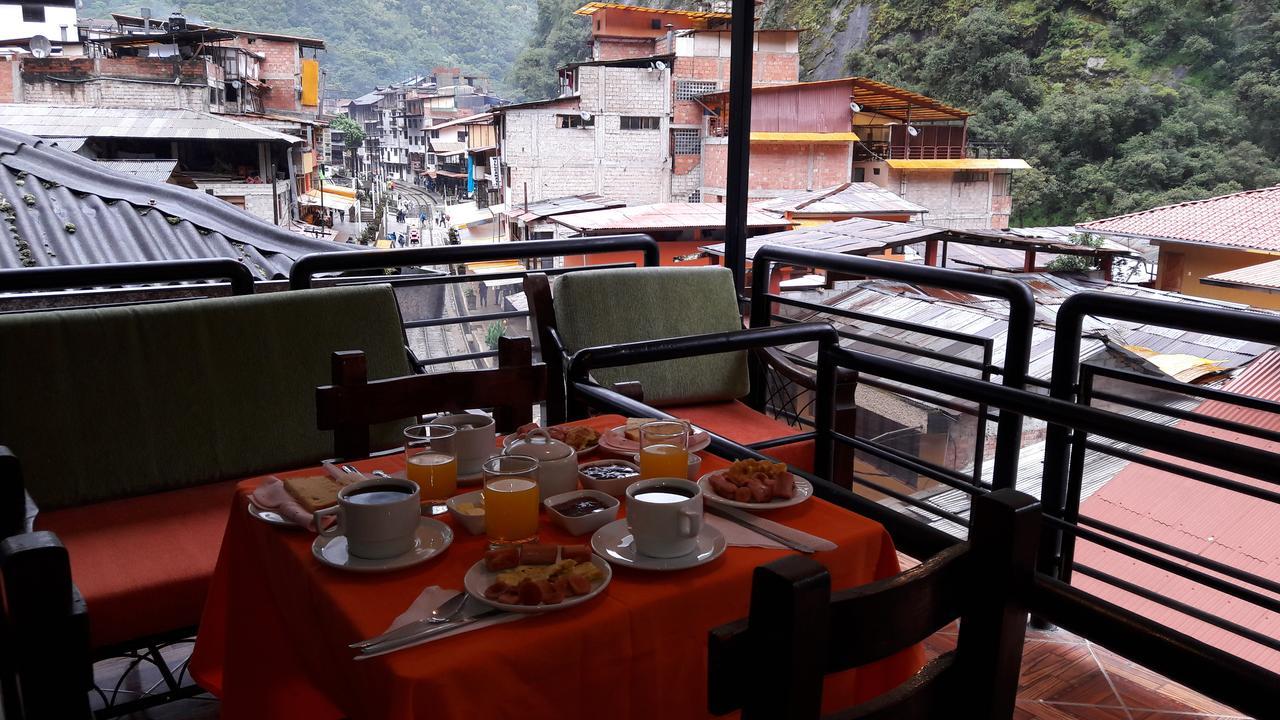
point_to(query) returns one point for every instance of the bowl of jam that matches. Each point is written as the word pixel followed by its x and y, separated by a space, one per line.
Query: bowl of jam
pixel 611 477
pixel 582 511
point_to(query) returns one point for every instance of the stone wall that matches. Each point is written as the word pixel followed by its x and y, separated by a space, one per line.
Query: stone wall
pixel 260 200
pixel 119 82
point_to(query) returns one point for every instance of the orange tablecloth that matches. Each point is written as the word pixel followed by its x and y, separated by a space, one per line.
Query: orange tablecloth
pixel 273 639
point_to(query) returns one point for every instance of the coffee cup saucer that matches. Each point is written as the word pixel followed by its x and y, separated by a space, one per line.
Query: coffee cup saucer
pixel 615 543
pixel 432 538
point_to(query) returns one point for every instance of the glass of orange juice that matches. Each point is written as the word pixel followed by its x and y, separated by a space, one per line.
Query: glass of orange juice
pixel 511 499
pixel 429 462
pixel 664 449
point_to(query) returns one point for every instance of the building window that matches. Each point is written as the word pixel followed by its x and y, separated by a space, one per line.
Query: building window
pixel 33 13
pixel 695 196
pixel 640 122
pixel 655 24
pixel 575 121
pixel 1000 184
pixel 689 89
pixel 875 171
pixel 686 141
pixel 969 176
pixel 859 174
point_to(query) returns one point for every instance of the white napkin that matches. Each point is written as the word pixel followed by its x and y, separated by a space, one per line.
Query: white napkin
pixel 738 536
pixel 429 599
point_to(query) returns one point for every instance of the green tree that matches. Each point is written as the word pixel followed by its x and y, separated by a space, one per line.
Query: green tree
pixel 559 37
pixel 352 133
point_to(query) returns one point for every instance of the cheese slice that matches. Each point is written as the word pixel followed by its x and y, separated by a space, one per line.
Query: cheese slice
pixel 633 427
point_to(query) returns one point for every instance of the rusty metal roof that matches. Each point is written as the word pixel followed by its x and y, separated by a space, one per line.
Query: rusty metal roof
pixel 1247 220
pixel 561 206
pixel 1212 522
pixel 69 210
pixel 1263 276
pixel 663 217
pixel 55 121
pixel 874 97
pixel 592 8
pixel 860 198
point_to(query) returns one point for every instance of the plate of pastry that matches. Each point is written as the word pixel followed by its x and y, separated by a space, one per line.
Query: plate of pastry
pixel 537 578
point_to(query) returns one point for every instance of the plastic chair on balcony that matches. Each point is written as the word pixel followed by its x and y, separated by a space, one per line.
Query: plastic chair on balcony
pixel 591 308
pixel 802 631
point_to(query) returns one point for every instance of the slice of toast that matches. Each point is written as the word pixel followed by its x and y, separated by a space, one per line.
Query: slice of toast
pixel 313 492
pixel 633 427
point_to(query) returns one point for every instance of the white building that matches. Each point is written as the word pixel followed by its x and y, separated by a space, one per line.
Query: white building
pixel 54 19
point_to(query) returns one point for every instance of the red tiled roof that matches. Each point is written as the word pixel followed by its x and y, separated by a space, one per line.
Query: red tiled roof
pixel 1249 219
pixel 1263 276
pixel 1212 522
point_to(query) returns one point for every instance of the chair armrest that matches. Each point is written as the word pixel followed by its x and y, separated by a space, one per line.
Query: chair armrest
pixel 46 627
pixel 630 388
pixel 17 509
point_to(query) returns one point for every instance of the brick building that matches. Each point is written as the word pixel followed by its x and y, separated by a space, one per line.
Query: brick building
pixel 263 79
pixel 639 136
pixel 818 134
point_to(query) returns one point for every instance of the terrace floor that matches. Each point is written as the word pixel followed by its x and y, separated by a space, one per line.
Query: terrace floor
pixel 1064 677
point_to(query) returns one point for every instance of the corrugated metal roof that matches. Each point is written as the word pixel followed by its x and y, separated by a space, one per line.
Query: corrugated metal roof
pixel 961 164
pixel 855 236
pixel 874 97
pixel 69 210
pixel 849 198
pixel 58 121
pixel 592 8
pixel 1249 219
pixel 1263 276
pixel 663 216
pixel 561 206
pixel 156 171
pixel 1212 522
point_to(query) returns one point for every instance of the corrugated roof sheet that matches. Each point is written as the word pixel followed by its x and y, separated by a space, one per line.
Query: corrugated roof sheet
pixel 1211 522
pixel 156 171
pixel 57 121
pixel 875 97
pixel 592 8
pixel 561 206
pixel 855 236
pixel 960 164
pixel 1249 219
pixel 663 216
pixel 848 198
pixel 1263 276
pixel 69 210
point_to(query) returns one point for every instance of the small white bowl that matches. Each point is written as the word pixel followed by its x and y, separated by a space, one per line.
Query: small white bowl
pixel 474 524
pixel 615 486
pixel 583 524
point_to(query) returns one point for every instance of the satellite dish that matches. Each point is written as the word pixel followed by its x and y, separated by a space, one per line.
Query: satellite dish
pixel 660 65
pixel 584 115
pixel 855 107
pixel 912 131
pixel 40 46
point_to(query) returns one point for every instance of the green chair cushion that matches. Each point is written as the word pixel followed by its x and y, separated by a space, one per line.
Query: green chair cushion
pixel 113 402
pixel 618 305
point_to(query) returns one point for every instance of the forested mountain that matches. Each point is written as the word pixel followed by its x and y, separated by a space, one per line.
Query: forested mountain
pixel 1117 104
pixel 373 42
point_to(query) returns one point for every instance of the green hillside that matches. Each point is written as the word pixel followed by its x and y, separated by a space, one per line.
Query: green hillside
pixel 1118 104
pixel 375 42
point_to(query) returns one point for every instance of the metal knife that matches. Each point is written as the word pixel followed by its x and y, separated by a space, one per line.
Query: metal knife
pixel 469 616
pixel 773 531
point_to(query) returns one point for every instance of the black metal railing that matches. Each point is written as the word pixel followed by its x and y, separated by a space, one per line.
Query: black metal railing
pixel 239 280
pixel 1012 368
pixel 1177 655
pixel 346 265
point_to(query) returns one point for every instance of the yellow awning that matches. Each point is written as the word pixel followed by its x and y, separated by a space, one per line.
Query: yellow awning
pixel 808 137
pixel 331 201
pixel 494 266
pixel 960 164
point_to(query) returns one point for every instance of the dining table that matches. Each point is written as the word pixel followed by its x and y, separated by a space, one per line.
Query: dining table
pixel 273 639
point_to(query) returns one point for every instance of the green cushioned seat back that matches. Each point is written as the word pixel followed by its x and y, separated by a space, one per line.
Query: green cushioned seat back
pixel 603 307
pixel 113 402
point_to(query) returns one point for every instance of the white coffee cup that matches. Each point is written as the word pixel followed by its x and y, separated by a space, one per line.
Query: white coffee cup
pixel 379 517
pixel 665 516
pixel 473 444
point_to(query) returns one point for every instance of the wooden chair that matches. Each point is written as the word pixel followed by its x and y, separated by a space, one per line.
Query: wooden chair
pixel 800 631
pixel 609 306
pixel 352 405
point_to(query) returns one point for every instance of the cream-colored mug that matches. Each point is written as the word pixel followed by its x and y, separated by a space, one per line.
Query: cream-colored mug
pixel 379 517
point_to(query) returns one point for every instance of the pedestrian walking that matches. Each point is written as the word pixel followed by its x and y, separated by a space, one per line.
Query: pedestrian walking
pixel 400 216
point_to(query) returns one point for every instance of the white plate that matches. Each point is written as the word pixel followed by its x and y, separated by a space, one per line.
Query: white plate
pixel 615 543
pixel 804 491
pixel 478 579
pixel 616 439
pixel 271 517
pixel 432 539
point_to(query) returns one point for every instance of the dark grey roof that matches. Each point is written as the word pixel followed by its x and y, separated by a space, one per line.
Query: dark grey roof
pixel 156 171
pixel 855 236
pixel 120 218
pixel 849 198
pixel 57 121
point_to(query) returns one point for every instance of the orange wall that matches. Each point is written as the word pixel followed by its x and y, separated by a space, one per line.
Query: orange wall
pixel 630 23
pixel 1199 262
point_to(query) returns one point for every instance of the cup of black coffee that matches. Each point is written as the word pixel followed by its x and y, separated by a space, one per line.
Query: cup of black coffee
pixel 665 516
pixel 379 517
